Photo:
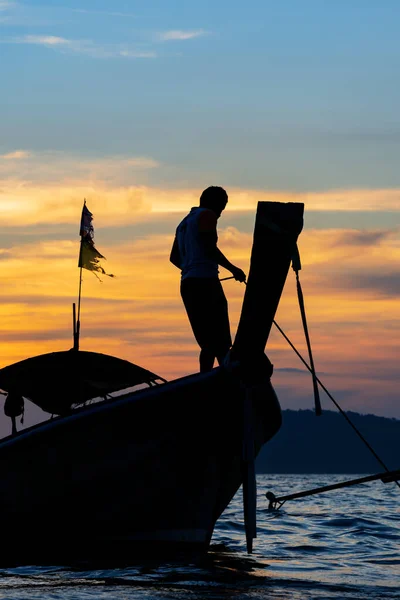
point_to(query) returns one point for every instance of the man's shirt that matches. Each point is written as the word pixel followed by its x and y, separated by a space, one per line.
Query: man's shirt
pixel 191 234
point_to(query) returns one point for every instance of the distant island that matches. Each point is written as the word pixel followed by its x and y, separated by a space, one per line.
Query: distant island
pixel 328 444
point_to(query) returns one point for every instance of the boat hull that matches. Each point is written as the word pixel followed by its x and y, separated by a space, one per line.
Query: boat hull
pixel 149 472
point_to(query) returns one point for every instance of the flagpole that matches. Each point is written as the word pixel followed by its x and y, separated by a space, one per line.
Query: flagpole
pixel 78 320
pixel 89 258
pixel 74 324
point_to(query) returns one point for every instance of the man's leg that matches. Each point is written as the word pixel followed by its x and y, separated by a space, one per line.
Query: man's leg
pixel 221 356
pixel 206 360
pixel 194 295
pixel 222 330
pixel 207 310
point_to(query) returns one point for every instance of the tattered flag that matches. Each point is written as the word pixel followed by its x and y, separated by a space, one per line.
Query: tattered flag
pixel 89 256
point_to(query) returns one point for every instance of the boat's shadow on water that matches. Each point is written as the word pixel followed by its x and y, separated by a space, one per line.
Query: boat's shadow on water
pixel 219 574
pixel 224 564
pixel 221 566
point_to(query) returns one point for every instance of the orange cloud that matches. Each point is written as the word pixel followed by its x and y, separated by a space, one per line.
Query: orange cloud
pixel 23 203
pixel 16 155
pixel 348 278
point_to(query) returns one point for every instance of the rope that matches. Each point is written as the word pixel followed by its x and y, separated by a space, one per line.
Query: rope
pixel 330 396
pixel 336 404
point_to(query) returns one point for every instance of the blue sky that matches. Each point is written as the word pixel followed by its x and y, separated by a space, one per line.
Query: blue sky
pixel 295 95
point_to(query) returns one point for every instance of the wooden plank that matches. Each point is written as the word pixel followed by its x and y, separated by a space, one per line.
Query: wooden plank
pixel 277 227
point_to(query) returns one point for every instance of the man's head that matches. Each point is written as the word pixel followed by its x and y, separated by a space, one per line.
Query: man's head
pixel 214 198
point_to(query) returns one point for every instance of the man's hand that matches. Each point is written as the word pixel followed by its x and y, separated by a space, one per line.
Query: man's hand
pixel 238 274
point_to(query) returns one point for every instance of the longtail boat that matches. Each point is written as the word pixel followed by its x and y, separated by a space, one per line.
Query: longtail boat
pixel 153 468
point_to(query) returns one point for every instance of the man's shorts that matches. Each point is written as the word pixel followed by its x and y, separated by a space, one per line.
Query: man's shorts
pixel 207 309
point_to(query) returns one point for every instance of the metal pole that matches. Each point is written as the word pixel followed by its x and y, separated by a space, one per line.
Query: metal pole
pixel 387 477
pixel 249 486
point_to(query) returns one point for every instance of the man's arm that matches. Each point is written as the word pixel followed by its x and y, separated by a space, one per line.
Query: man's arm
pixel 175 256
pixel 238 274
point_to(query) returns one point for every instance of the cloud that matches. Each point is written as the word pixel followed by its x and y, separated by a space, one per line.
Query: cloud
pixel 6 5
pixel 178 34
pixel 347 277
pixel 48 188
pixel 136 54
pixel 346 200
pixel 37 336
pixel 385 283
pixel 362 238
pixel 292 370
pixel 355 249
pixel 104 12
pixel 86 47
pixel 24 166
pixel 354 326
pixel 16 155
pixel 30 204
pixel 52 166
pixel 43 40
pixel 231 237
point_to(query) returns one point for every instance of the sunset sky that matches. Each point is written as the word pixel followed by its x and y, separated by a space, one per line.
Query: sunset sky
pixel 138 106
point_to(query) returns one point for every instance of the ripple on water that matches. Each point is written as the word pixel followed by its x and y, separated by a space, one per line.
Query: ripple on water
pixel 331 548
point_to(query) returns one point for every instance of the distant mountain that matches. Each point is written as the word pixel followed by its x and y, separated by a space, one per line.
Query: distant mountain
pixel 328 444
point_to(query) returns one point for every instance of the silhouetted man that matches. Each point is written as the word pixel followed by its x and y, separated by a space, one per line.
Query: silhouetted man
pixel 196 253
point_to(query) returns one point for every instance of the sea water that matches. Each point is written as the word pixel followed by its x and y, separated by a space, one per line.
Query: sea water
pixel 339 544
